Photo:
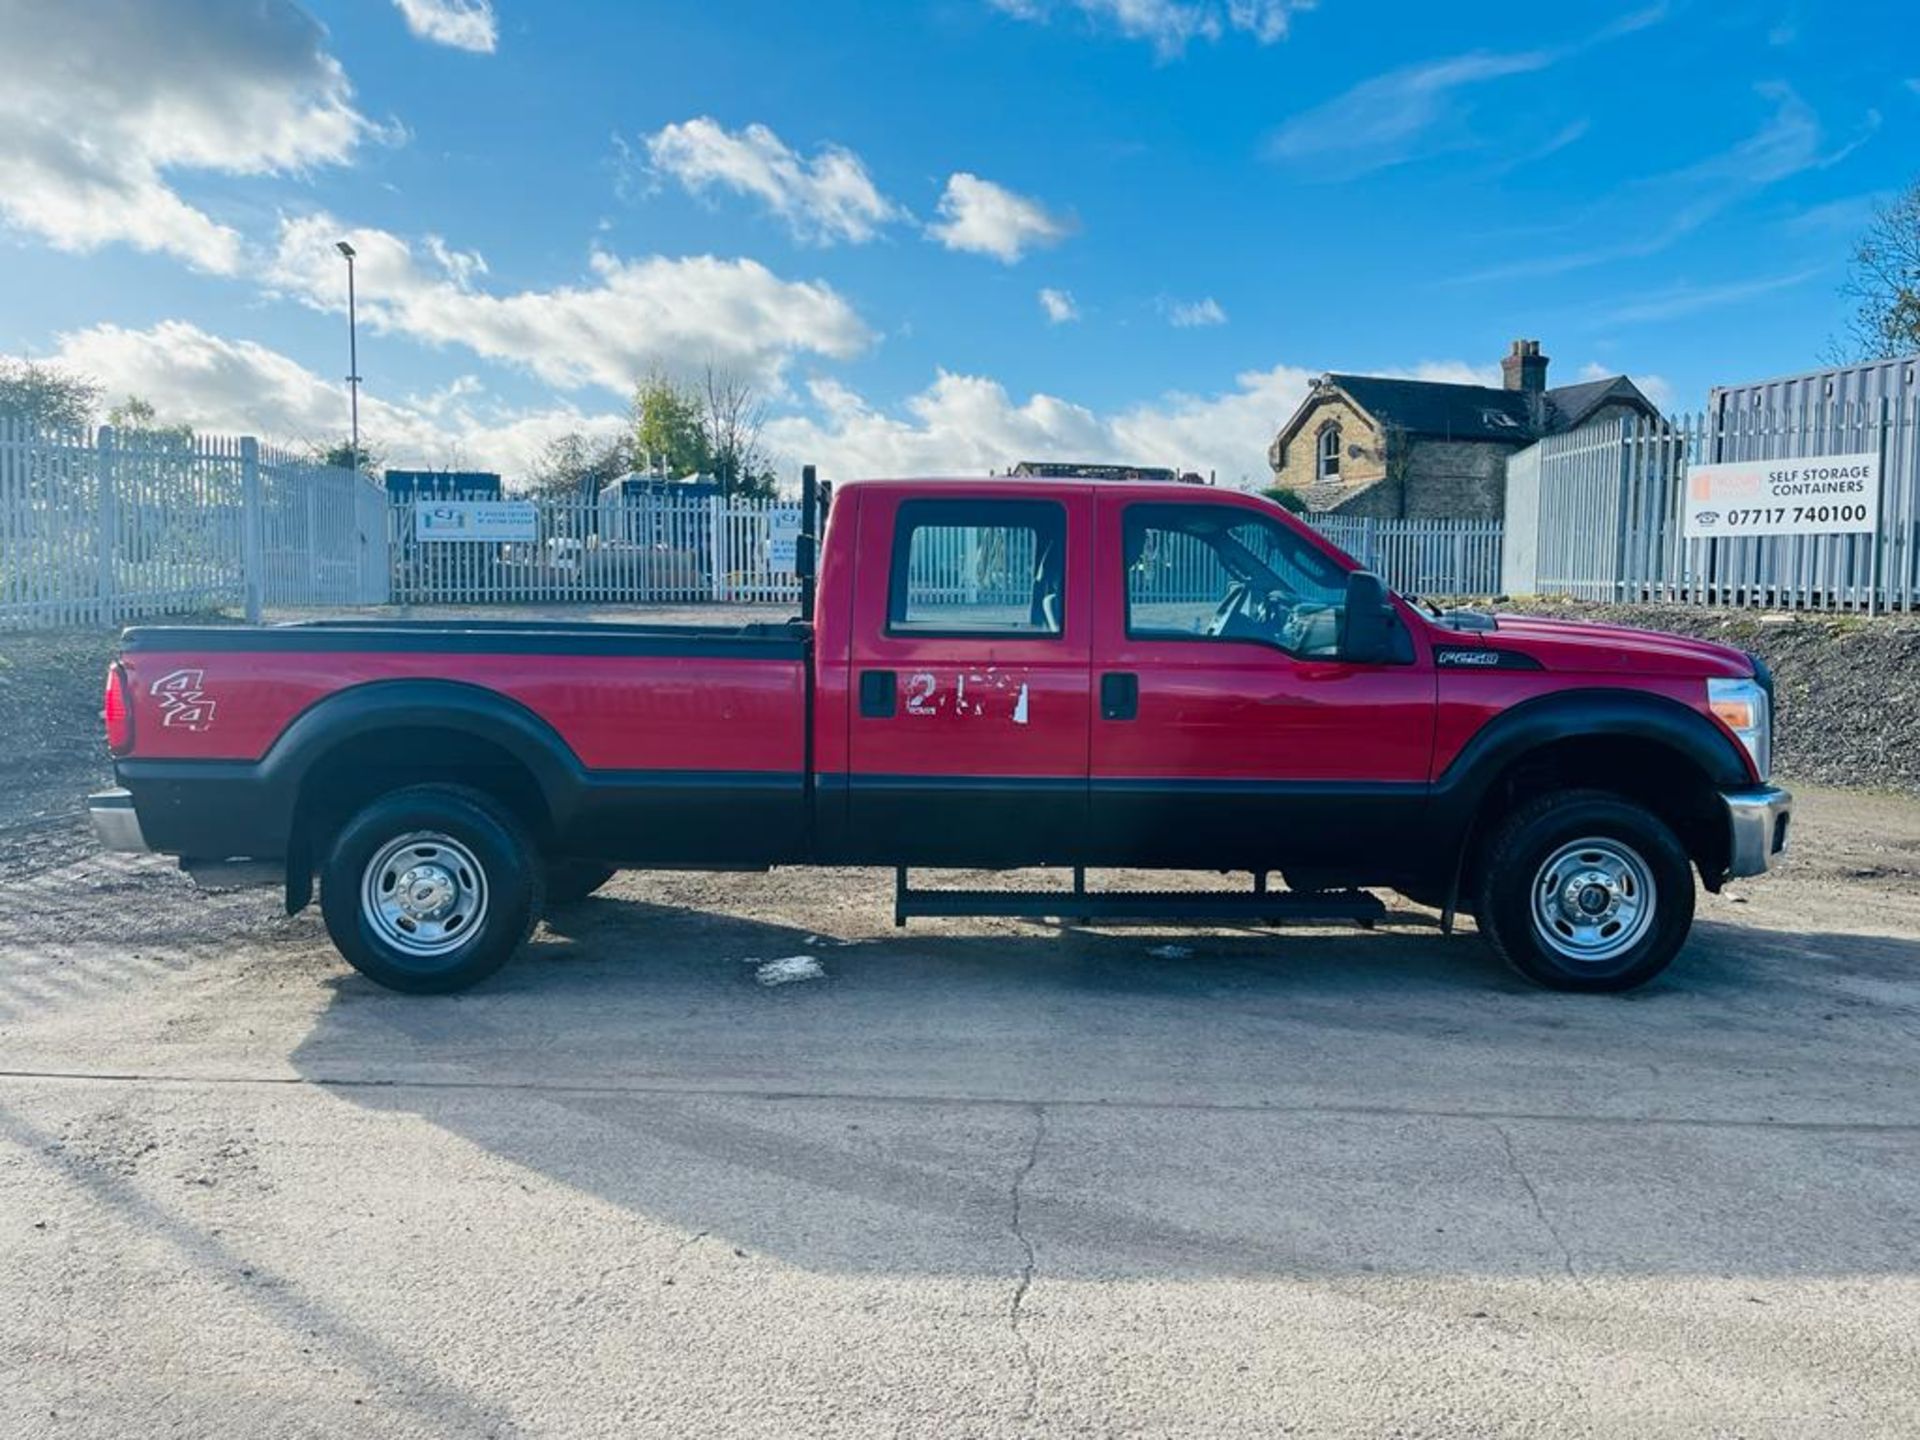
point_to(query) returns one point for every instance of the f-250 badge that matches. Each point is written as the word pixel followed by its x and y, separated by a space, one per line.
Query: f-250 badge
pixel 183 700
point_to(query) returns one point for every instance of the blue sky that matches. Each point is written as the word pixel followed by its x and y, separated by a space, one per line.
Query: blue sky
pixel 939 236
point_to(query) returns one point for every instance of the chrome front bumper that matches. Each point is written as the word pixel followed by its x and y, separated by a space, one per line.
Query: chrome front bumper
pixel 1757 823
pixel 114 821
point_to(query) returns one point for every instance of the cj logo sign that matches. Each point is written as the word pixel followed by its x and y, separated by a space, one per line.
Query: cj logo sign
pixel 183 700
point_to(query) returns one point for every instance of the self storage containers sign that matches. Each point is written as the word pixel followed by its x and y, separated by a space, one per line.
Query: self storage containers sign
pixel 1818 495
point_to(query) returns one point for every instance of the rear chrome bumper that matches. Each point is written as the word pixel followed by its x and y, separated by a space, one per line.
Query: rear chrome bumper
pixel 1757 823
pixel 114 820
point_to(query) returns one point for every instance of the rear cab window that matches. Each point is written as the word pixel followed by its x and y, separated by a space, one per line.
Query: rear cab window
pixel 986 567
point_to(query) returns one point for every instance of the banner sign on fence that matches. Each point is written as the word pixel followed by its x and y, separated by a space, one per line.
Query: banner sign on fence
pixel 1818 495
pixel 783 539
pixel 498 521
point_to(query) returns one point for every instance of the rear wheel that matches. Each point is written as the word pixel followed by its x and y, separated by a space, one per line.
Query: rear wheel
pixel 430 889
pixel 1586 890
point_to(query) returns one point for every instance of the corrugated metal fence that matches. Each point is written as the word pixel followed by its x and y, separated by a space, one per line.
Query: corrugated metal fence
pixel 1596 513
pixel 98 528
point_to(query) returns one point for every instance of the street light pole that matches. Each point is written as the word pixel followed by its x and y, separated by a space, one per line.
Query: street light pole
pixel 353 353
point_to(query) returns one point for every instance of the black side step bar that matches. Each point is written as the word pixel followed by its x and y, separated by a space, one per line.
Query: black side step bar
pixel 1257 906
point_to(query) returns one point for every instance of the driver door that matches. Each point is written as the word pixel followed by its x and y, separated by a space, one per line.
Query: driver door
pixel 1226 731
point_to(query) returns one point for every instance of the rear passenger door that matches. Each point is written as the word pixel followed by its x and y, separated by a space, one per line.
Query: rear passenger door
pixel 968 727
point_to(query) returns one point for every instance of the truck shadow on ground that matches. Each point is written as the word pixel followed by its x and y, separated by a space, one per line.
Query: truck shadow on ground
pixel 1270 1104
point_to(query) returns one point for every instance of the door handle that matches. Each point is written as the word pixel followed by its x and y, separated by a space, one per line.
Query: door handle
pixel 1119 696
pixel 879 690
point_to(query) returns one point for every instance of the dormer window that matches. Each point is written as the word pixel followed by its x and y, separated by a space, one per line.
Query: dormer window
pixel 1329 468
pixel 1499 420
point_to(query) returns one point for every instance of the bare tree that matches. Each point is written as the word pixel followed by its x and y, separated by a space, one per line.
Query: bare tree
pixel 577 464
pixel 733 416
pixel 1884 281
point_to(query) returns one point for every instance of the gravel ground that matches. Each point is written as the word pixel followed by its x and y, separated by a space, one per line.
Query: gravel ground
pixel 977 1179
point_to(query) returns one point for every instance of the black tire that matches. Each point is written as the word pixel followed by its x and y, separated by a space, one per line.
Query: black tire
pixel 483 855
pixel 1542 939
pixel 571 881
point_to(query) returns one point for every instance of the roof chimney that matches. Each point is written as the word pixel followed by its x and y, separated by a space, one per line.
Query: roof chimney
pixel 1525 368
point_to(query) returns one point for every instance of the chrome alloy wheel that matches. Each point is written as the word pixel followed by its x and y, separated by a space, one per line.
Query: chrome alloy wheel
pixel 424 894
pixel 1593 900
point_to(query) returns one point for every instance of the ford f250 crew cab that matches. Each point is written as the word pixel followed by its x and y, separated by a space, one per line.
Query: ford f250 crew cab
pixel 991 674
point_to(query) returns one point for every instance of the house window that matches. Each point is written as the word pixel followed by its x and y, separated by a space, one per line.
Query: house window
pixel 1330 453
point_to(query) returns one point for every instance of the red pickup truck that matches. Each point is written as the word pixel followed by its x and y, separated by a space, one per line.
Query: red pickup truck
pixel 1000 673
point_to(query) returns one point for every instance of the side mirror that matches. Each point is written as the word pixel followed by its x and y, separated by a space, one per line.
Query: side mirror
pixel 1369 631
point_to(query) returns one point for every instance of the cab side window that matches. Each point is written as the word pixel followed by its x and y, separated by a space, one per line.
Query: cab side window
pixel 1217 572
pixel 978 567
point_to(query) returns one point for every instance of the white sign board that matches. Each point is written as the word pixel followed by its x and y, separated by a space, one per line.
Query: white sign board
pixel 1819 495
pixel 783 540
pixel 497 521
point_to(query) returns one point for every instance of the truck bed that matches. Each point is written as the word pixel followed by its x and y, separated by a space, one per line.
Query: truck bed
pixel 643 741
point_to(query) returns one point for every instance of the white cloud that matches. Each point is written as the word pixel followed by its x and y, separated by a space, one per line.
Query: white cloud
pixel 968 424
pixel 1380 121
pixel 105 101
pixel 1656 211
pixel 1656 388
pixel 1194 314
pixel 1450 372
pixel 627 318
pixel 1171 25
pixel 1688 299
pixel 1402 113
pixel 830 197
pixel 461 24
pixel 242 387
pixel 1059 306
pixel 983 218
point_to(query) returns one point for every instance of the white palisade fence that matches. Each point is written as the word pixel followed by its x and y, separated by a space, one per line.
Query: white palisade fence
pixel 1447 558
pixel 98 528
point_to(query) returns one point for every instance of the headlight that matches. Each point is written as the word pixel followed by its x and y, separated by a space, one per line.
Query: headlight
pixel 1742 706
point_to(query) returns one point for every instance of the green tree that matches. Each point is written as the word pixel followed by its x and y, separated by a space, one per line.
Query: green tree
pixel 136 422
pixel 1286 497
pixel 341 455
pixel 1884 281
pixel 46 397
pixel 668 428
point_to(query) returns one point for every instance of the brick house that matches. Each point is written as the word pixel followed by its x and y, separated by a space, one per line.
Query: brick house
pixel 1366 445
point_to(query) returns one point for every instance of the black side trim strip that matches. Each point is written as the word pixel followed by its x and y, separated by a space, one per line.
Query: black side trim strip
pixel 177 771
pixel 404 638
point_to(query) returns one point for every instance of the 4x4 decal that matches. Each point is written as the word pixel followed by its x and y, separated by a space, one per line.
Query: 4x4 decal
pixel 183 699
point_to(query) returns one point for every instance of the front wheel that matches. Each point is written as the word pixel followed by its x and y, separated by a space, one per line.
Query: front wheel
pixel 1586 890
pixel 430 889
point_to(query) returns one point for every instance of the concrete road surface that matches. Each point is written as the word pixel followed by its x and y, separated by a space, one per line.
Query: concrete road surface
pixel 980 1180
